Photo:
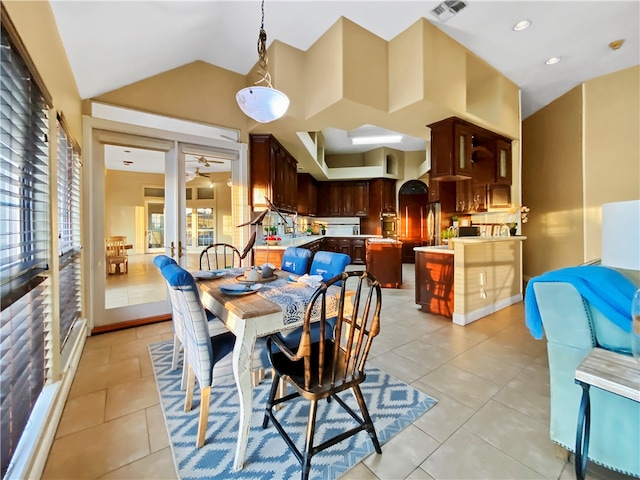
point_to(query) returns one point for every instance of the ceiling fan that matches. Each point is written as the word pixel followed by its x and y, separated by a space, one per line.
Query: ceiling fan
pixel 198 173
pixel 206 162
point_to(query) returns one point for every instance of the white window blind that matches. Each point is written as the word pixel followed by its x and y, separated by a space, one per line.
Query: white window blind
pixel 24 241
pixel 69 237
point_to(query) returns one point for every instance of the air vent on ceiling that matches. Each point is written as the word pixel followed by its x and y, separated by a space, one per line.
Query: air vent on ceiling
pixel 448 9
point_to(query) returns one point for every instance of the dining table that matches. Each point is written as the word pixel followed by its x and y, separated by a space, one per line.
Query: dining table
pixel 278 305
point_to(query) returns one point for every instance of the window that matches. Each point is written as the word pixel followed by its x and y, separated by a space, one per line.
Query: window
pixel 69 245
pixel 25 239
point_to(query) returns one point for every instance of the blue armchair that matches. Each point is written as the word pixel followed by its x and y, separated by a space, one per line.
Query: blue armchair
pixel 573 326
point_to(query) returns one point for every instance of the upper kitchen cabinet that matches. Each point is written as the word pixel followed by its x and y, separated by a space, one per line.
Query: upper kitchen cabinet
pixel 273 174
pixel 461 150
pixel 382 197
pixel 343 199
pixel 503 162
pixel 307 194
pixel 451 142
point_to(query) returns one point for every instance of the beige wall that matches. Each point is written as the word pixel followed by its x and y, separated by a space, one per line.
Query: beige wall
pixel 579 152
pixel 37 29
pixel 612 148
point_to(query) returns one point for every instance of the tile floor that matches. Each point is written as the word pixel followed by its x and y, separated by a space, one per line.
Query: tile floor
pixel 490 378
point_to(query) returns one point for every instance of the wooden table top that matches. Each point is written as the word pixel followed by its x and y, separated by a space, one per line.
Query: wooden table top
pixel 244 306
pixel 611 371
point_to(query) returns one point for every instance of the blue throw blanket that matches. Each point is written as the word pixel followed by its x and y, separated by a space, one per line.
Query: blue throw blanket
pixel 606 289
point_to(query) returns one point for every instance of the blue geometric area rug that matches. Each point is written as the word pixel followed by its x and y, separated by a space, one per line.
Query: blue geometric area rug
pixel 393 405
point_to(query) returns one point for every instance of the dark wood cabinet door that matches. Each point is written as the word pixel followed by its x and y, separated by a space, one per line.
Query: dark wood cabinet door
pixel 499 196
pixel 434 283
pixel 434 190
pixel 358 254
pixel 462 151
pixel 273 174
pixel 360 198
pixel 388 195
pixel 503 162
pixel 344 246
pixel 335 199
pixel 347 195
pixel 479 198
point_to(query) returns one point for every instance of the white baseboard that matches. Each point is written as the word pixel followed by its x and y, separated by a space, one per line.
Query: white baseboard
pixel 467 318
pixel 33 448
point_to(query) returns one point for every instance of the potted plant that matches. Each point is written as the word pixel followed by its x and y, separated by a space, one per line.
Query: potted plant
pixel 447 234
pixel 323 229
pixel 309 230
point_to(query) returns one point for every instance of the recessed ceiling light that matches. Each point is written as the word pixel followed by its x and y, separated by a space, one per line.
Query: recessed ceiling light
pixel 552 60
pixel 376 139
pixel 521 25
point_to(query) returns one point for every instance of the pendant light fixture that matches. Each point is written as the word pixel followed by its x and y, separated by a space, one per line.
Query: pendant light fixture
pixel 262 103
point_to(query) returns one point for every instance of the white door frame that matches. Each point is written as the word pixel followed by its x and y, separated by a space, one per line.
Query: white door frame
pixel 97 132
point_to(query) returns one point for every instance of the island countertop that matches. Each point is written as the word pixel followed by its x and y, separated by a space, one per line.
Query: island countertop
pixel 447 250
pixel 306 239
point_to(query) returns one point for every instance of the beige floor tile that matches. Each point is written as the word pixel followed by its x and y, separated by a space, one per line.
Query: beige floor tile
pixel 508 429
pixel 452 341
pixel 82 412
pixel 94 357
pixel 135 348
pixel 465 456
pixel 157 466
pixel 418 474
pixel 359 472
pixel 158 437
pixel 103 376
pixel 431 356
pixel 477 362
pixel 111 338
pixel 98 450
pixel 129 397
pixel 401 454
pixel 146 367
pixel 463 386
pixel 443 419
pixel 154 329
pixel 399 367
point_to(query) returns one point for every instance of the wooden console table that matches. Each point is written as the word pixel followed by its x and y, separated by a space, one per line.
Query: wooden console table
pixel 609 371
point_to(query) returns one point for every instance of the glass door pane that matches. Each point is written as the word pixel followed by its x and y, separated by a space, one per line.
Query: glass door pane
pixel 155 231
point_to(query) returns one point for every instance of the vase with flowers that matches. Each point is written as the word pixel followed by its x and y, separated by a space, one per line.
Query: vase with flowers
pixel 517 213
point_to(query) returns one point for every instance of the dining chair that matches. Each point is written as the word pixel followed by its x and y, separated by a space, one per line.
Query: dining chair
pixel 329 264
pixel 214 325
pixel 116 254
pixel 207 358
pixel 219 256
pixel 296 260
pixel 334 363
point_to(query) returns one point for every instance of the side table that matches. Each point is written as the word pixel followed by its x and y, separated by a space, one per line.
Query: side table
pixel 609 371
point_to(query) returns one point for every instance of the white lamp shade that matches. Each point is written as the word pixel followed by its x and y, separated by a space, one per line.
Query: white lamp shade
pixel 263 104
pixel 621 235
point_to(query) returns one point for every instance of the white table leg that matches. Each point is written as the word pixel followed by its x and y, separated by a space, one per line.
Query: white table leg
pixel 242 352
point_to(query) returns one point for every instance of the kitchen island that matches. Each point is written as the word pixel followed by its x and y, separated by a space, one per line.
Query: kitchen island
pixel 472 278
pixel 352 245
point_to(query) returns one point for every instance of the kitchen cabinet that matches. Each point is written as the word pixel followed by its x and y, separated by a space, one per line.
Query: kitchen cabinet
pixel 451 142
pixel 503 162
pixel 344 246
pixel 499 196
pixel 461 150
pixel 382 196
pixel 343 199
pixel 307 194
pixel 434 190
pixel 384 261
pixel 471 197
pixel 434 282
pixel 358 252
pixel 273 174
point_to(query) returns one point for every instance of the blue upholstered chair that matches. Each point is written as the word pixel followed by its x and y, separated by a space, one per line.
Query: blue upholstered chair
pixel 296 260
pixel 215 326
pixel 329 264
pixel 206 358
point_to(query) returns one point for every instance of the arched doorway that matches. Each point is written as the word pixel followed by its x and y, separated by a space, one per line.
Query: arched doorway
pixel 413 198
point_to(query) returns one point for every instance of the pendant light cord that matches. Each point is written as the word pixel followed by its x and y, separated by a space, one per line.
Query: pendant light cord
pixel 262 54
